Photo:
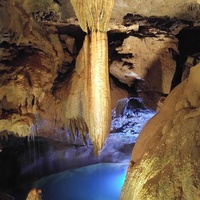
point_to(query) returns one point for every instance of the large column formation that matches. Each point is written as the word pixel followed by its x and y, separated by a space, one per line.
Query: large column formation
pixel 92 66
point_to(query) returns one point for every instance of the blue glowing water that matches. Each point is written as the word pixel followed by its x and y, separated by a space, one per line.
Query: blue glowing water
pixel 102 181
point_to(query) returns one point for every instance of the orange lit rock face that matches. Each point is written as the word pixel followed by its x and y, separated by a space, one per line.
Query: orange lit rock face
pixel 165 158
pixel 88 101
pixel 150 61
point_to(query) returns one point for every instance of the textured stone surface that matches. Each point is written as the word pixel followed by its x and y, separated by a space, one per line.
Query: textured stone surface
pixel 165 159
pixel 34 194
pixel 186 9
pixel 151 60
pixel 30 60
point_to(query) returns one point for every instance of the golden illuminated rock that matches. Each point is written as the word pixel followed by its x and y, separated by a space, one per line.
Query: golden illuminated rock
pixel 30 75
pixel 165 160
pixel 88 106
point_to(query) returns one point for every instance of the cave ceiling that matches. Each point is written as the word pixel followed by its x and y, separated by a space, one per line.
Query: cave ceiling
pixel 185 9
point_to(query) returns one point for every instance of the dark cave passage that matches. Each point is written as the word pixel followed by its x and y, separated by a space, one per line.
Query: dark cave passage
pixel 188 46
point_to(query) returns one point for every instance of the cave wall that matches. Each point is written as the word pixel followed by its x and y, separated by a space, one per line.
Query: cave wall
pixel 165 159
pixel 30 58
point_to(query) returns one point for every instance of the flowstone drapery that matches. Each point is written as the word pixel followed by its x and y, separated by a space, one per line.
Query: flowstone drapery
pixel 88 105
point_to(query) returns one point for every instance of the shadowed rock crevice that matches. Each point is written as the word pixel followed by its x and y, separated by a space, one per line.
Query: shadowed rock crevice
pixel 189 47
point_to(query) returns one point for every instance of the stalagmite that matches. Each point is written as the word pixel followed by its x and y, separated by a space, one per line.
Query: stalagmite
pixel 88 105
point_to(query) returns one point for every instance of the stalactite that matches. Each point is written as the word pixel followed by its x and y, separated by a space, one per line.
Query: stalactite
pixel 90 104
pixel 93 15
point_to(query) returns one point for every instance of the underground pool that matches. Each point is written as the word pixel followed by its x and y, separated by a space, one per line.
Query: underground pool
pixel 101 181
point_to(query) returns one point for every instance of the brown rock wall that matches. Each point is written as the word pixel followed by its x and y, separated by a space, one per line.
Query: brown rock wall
pixel 166 155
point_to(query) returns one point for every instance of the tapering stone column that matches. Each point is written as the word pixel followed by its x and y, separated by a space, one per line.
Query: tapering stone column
pixel 92 66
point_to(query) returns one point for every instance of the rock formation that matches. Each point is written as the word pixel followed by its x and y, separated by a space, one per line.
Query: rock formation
pixel 88 104
pixel 29 62
pixel 165 159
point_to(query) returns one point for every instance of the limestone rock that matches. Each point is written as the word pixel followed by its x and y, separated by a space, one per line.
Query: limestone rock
pixel 165 159
pixel 152 61
pixel 34 194
pixel 91 76
pixel 116 94
pixel 31 55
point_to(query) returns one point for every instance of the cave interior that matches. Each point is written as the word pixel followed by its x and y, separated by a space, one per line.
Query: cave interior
pixel 47 90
